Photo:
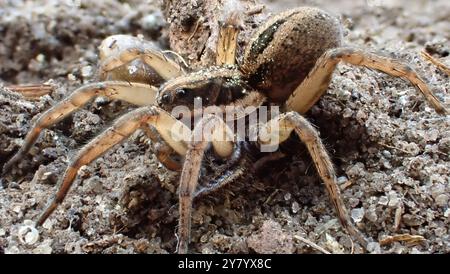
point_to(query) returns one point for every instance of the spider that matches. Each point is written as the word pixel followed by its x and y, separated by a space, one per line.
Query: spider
pixel 288 62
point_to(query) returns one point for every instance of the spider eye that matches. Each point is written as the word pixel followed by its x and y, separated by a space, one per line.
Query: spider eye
pixel 181 93
pixel 165 99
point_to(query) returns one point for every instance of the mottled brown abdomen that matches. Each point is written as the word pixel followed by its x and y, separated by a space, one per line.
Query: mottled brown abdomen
pixel 284 50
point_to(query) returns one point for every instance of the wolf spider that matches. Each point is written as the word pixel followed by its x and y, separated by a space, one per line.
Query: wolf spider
pixel 288 62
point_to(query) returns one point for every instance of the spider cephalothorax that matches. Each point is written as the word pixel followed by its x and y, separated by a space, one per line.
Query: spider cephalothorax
pixel 214 86
pixel 288 62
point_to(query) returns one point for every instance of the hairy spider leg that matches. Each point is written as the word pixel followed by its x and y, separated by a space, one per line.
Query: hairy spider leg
pixel 279 129
pixel 122 128
pixel 208 125
pixel 318 79
pixel 135 93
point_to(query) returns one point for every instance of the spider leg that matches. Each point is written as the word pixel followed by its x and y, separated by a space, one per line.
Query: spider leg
pixel 120 131
pixel 126 49
pixel 279 129
pixel 227 43
pixel 135 93
pixel 318 79
pixel 207 127
pixel 436 62
pixel 32 92
pixel 163 151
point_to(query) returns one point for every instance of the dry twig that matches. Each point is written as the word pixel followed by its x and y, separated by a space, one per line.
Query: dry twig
pixel 311 244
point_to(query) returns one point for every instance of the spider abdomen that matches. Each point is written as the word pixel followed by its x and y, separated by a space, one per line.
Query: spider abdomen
pixel 286 47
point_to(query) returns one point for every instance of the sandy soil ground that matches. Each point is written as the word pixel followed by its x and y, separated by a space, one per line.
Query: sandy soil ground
pixel 390 149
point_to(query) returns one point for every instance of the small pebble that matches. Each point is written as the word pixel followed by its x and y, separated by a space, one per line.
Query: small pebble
pixel 153 22
pixel 374 248
pixel 46 176
pixel 447 213
pixel 311 221
pixel 71 77
pixel 393 199
pixel 347 113
pixel 93 185
pixel 342 179
pixel 287 196
pixel 73 248
pixel 441 199
pixel 357 214
pixel 361 115
pixel 387 165
pixel 44 248
pixel 333 245
pixel 295 207
pixel 12 250
pixel 440 231
pixel 371 215
pixel 412 220
pixel 387 154
pixel 48 224
pixel 444 144
pixel 432 135
pixel 40 58
pixel 87 71
pixel 28 234
pixel 412 148
pixel 17 209
pixel 437 190
pixel 353 202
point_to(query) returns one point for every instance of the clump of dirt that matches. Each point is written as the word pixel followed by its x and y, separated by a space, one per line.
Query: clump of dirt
pixel 271 239
pixel 390 149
